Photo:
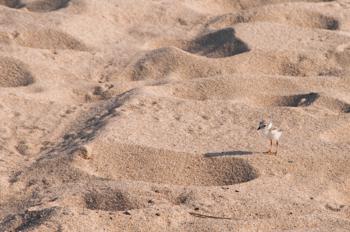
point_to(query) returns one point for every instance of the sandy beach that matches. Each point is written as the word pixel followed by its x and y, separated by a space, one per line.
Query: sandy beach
pixel 142 115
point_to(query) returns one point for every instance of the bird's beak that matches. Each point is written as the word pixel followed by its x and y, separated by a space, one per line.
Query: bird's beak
pixel 259 128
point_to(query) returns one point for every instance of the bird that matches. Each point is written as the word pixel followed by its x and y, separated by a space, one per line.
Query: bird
pixel 272 133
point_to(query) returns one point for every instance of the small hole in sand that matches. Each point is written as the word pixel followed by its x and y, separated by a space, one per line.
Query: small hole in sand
pixel 221 43
pixel 298 100
pixel 44 5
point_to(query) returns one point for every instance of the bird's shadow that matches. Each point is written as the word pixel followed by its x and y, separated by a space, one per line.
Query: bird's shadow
pixel 229 153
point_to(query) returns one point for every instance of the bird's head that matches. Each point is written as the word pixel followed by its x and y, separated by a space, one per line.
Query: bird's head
pixel 262 124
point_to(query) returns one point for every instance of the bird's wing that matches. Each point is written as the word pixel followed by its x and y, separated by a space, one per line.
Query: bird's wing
pixel 276 129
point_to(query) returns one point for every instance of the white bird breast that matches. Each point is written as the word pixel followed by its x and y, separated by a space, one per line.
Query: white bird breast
pixel 272 134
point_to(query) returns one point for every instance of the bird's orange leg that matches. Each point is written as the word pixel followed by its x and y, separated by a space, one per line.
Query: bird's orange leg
pixel 270 150
pixel 275 153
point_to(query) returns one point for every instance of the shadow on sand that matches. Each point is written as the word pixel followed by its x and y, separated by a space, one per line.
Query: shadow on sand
pixel 229 153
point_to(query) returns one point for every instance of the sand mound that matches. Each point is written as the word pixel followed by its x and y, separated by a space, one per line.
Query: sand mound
pixel 49 39
pixel 228 87
pixel 334 104
pixel 160 166
pixel 170 62
pixel 110 200
pixel 205 89
pixel 14 73
pixel 221 43
pixel 287 64
pixel 284 14
pixel 342 56
pixel 303 100
pixel 56 171
pixel 44 5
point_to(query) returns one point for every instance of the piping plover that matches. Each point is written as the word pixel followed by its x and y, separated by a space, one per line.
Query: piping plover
pixel 272 133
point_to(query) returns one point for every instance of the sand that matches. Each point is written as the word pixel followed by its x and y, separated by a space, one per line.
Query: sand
pixel 141 115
